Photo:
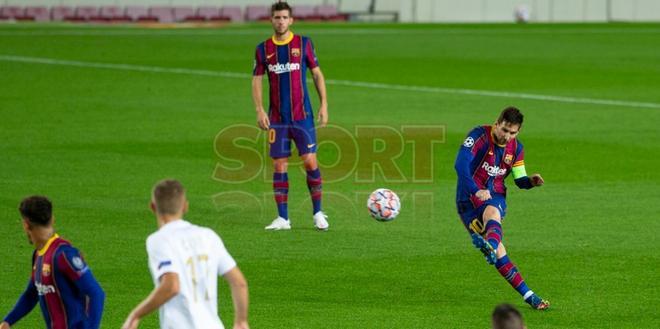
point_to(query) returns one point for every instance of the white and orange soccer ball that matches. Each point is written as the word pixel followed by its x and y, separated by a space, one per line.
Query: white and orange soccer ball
pixel 383 204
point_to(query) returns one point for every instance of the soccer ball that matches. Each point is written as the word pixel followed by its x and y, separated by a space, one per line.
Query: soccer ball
pixel 383 204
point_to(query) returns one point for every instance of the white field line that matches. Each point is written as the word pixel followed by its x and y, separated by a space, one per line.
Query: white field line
pixel 122 67
pixel 360 84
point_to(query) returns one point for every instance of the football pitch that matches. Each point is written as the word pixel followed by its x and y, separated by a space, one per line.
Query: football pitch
pixel 93 116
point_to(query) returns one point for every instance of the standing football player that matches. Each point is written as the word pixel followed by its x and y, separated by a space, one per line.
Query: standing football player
pixel 185 261
pixel 286 57
pixel 488 155
pixel 61 282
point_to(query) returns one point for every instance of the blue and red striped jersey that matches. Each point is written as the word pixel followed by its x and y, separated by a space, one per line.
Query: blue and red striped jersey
pixel 63 285
pixel 287 63
pixel 483 164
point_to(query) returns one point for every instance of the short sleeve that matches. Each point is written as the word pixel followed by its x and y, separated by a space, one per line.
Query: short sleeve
pixel 310 55
pixel 259 65
pixel 161 257
pixel 225 261
pixel 71 263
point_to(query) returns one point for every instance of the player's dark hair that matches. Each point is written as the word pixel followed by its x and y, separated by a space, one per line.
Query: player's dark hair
pixel 511 115
pixel 37 210
pixel 506 316
pixel 281 5
pixel 168 196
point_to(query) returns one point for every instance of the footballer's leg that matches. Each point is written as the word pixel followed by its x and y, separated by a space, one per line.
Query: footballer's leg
pixel 305 137
pixel 489 239
pixel 280 150
pixel 471 219
pixel 281 192
pixel 510 273
pixel 507 269
pixel 315 186
pixel 493 225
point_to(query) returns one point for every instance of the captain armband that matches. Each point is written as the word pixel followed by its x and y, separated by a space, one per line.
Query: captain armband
pixel 518 170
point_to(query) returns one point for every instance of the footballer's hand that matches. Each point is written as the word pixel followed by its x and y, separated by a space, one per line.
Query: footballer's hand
pixel 131 323
pixel 5 325
pixel 537 180
pixel 323 115
pixel 241 325
pixel 483 195
pixel 262 120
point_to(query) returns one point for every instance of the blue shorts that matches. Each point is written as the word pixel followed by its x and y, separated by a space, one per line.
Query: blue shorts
pixel 301 132
pixel 472 217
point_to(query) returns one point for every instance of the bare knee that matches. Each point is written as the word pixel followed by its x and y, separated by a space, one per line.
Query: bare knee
pixel 280 164
pixel 310 161
pixel 491 213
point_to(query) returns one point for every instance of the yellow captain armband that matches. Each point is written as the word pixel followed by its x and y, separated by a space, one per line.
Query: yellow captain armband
pixel 518 169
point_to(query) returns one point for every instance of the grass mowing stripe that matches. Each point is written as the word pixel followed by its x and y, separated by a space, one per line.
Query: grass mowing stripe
pixel 363 84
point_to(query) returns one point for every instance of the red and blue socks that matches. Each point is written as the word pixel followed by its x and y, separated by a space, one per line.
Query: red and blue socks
pixel 314 184
pixel 281 190
pixel 494 233
pixel 510 273
pixel 507 269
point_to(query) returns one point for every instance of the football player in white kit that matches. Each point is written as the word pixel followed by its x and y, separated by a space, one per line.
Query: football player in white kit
pixel 185 261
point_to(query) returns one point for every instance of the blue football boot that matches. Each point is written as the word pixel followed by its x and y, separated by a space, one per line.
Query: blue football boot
pixel 537 302
pixel 480 243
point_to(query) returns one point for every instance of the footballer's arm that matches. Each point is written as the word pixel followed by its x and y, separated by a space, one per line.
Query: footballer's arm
pixel 239 294
pixel 25 304
pixel 462 167
pixel 257 92
pixel 168 288
pixel 319 82
pixel 88 285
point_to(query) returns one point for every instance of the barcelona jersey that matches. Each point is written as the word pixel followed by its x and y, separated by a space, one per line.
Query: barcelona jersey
pixel 482 164
pixel 63 285
pixel 286 63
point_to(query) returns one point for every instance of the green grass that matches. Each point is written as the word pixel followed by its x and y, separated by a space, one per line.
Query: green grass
pixel 96 140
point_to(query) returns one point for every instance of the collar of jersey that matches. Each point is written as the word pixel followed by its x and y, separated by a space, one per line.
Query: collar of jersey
pixel 43 250
pixel 282 43
pixel 174 224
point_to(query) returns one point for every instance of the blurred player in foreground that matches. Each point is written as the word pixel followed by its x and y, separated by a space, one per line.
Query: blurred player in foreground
pixel 61 282
pixel 185 261
pixel 506 316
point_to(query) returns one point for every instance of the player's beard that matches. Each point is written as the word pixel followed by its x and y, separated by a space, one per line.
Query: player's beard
pixel 285 31
pixel 498 140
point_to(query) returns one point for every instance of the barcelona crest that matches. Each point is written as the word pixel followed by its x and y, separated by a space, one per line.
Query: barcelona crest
pixel 45 270
pixel 508 158
pixel 295 52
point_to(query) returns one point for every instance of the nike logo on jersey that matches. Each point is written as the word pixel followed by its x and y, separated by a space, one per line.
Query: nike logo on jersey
pixel 269 56
pixel 309 146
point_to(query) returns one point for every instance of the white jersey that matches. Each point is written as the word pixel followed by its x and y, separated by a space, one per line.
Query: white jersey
pixel 198 256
